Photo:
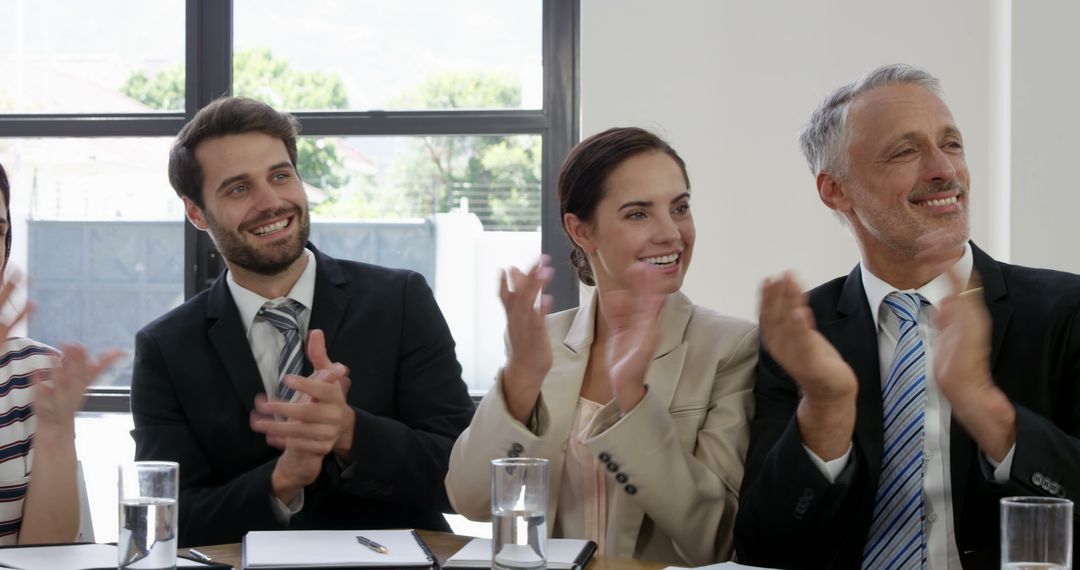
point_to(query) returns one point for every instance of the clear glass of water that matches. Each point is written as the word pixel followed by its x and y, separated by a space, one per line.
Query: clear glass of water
pixel 148 492
pixel 519 498
pixel 1036 532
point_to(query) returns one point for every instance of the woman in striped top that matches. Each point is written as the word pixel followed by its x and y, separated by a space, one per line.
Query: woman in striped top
pixel 38 401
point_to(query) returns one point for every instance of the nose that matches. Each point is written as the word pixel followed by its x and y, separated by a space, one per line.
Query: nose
pixel 265 197
pixel 939 165
pixel 667 231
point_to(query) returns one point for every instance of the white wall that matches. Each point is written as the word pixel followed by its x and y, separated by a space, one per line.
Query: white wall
pixel 1046 123
pixel 730 82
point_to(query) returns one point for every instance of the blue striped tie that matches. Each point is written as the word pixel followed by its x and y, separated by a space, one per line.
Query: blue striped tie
pixel 896 534
pixel 282 313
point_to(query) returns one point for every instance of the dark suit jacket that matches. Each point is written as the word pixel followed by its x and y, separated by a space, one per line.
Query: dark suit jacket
pixel 195 382
pixel 791 517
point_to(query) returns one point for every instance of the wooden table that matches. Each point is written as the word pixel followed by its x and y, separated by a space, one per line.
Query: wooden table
pixel 443 545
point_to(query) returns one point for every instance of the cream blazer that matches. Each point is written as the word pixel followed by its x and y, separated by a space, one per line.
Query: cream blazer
pixel 675 460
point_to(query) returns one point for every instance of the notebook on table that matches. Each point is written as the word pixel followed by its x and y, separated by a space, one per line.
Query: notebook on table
pixel 280 549
pixel 82 556
pixel 562 554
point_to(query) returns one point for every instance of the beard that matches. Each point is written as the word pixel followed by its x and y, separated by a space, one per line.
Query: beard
pixel 273 258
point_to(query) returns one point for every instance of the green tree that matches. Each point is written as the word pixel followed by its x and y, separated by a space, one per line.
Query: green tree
pixel 500 176
pixel 259 75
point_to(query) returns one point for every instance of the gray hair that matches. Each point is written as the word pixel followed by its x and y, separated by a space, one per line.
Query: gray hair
pixel 824 139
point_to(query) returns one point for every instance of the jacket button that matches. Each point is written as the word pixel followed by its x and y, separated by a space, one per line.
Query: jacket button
pixel 514 454
pixel 1037 479
pixel 604 457
pixel 517 447
pixel 621 477
pixel 613 467
pixel 630 490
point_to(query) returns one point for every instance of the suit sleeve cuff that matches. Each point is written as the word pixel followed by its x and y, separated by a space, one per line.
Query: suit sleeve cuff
pixel 284 512
pixel 832 469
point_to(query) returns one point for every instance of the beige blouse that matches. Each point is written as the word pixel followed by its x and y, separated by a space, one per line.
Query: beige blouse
pixel 585 494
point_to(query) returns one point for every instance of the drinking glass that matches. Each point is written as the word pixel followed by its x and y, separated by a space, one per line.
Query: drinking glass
pixel 148 492
pixel 519 498
pixel 1036 532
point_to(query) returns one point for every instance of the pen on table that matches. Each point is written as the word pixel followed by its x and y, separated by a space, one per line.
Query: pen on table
pixel 372 545
pixel 199 555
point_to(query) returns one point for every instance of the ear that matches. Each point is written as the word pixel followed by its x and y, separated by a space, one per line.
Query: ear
pixel 195 214
pixel 580 231
pixel 832 192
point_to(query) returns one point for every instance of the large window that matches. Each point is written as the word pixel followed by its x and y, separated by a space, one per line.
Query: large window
pixel 432 135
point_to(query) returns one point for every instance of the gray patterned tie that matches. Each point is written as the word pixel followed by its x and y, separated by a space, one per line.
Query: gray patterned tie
pixel 283 313
pixel 896 533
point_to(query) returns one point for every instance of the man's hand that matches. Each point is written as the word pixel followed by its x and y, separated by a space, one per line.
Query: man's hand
pixel 826 412
pixel 529 357
pixel 317 423
pixel 962 354
pixel 633 319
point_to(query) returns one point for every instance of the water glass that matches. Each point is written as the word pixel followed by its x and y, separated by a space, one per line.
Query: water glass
pixel 1036 532
pixel 148 491
pixel 519 498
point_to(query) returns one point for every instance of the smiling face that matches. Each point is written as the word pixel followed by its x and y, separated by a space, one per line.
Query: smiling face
pixel 644 215
pixel 907 175
pixel 254 202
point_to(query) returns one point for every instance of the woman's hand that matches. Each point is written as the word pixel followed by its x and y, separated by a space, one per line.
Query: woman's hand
pixel 529 357
pixel 633 319
pixel 60 392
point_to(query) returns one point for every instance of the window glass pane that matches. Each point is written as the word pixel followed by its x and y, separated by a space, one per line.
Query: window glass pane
pixel 379 55
pixel 99 231
pixel 455 209
pixel 61 56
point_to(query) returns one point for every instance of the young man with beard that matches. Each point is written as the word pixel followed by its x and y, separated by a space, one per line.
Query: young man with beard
pixel 895 406
pixel 356 435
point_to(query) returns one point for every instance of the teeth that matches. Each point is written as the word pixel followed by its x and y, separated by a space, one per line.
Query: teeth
pixel 270 228
pixel 662 260
pixel 942 202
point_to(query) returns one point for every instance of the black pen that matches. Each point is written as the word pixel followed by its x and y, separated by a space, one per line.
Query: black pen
pixel 199 555
pixel 372 545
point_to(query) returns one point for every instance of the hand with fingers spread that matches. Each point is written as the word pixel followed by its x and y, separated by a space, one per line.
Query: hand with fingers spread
pixel 826 412
pixel 59 393
pixel 317 423
pixel 529 357
pixel 962 353
pixel 633 319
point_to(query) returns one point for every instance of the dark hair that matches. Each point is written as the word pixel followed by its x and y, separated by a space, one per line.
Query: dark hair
pixel 5 189
pixel 585 171
pixel 224 116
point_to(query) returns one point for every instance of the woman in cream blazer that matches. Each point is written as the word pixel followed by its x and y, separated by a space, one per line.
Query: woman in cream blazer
pixel 667 384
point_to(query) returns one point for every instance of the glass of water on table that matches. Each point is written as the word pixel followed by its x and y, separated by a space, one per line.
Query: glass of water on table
pixel 148 492
pixel 1036 533
pixel 519 499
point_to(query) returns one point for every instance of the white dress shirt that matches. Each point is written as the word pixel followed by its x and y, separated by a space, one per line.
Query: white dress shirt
pixel 266 343
pixel 940 534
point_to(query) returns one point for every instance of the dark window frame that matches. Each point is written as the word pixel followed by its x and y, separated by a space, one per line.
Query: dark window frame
pixel 208 61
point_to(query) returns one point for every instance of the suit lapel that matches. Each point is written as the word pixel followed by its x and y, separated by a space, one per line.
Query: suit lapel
pixel 226 334
pixel 961 446
pixel 329 303
pixel 666 367
pixel 854 336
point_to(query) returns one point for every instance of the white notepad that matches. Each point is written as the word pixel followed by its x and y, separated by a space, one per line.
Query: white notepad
pixel 70 557
pixel 333 548
pixel 562 554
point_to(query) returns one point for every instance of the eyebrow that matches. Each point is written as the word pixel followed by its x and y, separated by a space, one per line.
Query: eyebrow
pixel 647 203
pixel 237 178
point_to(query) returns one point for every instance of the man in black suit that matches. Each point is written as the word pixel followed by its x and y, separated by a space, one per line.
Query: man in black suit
pixel 986 357
pixel 360 438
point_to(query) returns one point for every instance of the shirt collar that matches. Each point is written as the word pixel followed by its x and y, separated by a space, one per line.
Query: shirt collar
pixel 934 291
pixel 249 302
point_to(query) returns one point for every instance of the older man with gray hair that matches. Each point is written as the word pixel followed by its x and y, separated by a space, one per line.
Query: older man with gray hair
pixel 898 404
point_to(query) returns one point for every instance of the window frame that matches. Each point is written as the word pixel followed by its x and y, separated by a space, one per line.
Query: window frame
pixel 208 66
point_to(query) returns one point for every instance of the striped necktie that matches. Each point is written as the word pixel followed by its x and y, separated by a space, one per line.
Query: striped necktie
pixel 283 313
pixel 896 534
